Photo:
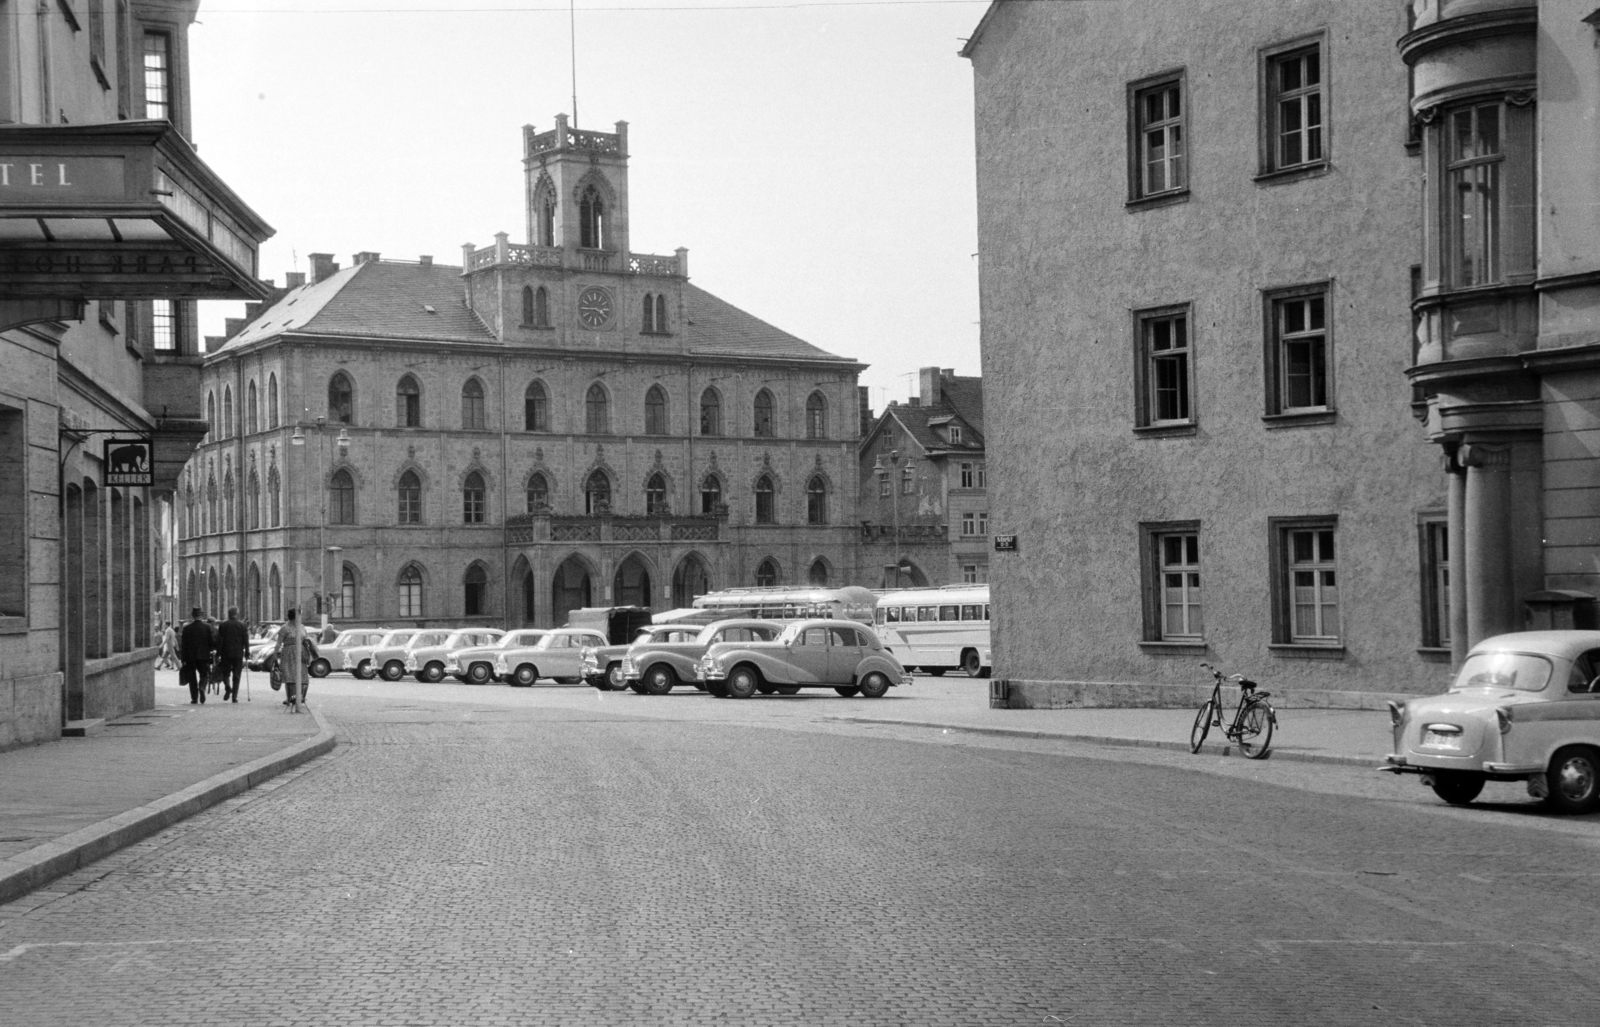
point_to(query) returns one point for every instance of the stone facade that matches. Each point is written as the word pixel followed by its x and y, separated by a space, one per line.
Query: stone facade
pixel 553 424
pixel 1197 233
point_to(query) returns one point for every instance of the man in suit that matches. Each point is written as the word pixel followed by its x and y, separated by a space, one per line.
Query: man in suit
pixel 233 645
pixel 194 652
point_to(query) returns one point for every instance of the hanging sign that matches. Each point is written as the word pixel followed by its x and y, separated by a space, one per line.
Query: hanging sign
pixel 130 460
pixel 1005 543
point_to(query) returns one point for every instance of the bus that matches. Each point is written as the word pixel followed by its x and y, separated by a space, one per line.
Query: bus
pixel 788 602
pixel 937 629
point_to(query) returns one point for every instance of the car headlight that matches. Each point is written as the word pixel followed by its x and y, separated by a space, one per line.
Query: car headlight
pixel 627 666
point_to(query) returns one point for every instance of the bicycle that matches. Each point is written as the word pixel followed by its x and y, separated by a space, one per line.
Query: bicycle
pixel 1253 720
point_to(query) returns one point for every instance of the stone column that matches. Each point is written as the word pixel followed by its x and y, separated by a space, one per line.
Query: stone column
pixel 1491 602
pixel 1456 475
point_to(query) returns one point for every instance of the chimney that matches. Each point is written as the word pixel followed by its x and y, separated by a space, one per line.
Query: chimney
pixel 294 280
pixel 252 311
pixel 426 260
pixel 364 257
pixel 322 266
pixel 865 405
pixel 928 385
pixel 232 326
pixel 216 342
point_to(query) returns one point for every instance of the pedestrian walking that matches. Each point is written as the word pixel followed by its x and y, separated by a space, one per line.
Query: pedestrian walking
pixel 195 655
pixel 233 645
pixel 169 649
pixel 294 653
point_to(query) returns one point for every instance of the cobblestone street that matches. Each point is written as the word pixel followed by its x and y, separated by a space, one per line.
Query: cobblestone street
pixel 486 856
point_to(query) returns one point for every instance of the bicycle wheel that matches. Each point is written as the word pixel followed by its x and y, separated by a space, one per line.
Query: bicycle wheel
pixel 1255 730
pixel 1202 724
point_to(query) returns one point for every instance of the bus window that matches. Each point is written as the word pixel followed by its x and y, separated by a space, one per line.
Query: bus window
pixel 927 613
pixel 891 614
pixel 985 611
pixel 971 613
pixel 949 613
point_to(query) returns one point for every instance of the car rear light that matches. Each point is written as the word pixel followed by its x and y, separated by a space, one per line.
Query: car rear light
pixel 1397 713
pixel 1504 715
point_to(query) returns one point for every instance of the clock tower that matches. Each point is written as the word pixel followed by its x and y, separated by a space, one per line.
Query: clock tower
pixel 577 193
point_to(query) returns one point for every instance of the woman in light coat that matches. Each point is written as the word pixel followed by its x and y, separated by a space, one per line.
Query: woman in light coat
pixel 294 654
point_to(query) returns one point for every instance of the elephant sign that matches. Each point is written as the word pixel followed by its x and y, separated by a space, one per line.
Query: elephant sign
pixel 129 461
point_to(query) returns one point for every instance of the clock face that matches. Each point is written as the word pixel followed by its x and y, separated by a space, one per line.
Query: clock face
pixel 594 307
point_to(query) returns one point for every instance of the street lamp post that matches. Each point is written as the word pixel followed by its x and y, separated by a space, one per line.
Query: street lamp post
pixel 299 439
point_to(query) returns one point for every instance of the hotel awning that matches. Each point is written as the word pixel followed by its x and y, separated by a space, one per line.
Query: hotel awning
pixel 120 211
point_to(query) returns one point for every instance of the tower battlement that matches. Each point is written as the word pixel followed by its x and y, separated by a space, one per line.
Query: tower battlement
pixel 564 138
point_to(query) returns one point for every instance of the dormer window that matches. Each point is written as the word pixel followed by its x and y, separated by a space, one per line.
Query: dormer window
pixel 591 220
pixel 955 435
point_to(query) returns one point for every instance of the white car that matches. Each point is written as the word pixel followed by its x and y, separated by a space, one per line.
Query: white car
pixel 475 666
pixel 558 655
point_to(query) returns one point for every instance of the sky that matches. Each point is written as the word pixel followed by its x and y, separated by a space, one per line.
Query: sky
pixel 815 158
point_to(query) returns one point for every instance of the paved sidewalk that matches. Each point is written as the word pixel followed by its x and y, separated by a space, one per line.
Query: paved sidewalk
pixel 67 803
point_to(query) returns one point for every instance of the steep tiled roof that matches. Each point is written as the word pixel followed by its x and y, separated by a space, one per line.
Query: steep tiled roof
pixel 385 299
pixel 915 421
pixel 964 395
pixel 716 326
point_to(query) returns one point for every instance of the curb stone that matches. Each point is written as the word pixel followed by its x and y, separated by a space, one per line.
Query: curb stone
pixel 1335 759
pixel 32 868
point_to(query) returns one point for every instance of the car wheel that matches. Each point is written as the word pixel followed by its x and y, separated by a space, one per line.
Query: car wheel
pixel 320 668
pixel 394 670
pixel 1574 779
pixel 788 690
pixel 1457 787
pixel 433 672
pixel 524 676
pixel 970 665
pixel 364 670
pixel 874 686
pixel 848 690
pixel 659 679
pixel 479 673
pixel 743 682
pixel 614 681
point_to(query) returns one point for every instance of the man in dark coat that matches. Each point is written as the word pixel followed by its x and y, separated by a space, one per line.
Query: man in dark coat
pixel 194 652
pixel 233 645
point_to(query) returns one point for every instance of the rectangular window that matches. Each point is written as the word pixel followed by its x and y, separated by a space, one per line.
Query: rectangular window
pixel 157 76
pixel 983 522
pixel 1165 369
pixel 883 485
pixel 981 476
pixel 908 482
pixel 164 325
pixel 966 476
pixel 1299 356
pixel 1435 542
pixel 1305 582
pixel 955 435
pixel 1473 161
pixel 1157 130
pixel 969 524
pixel 1295 109
pixel 969 576
pixel 1179 575
pixel 97 42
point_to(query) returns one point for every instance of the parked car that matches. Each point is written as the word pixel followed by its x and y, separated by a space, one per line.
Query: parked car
pixel 1523 707
pixel 656 664
pixel 389 660
pixel 333 654
pixel 426 662
pixel 602 667
pixel 841 655
pixel 558 655
pixel 265 642
pixel 362 660
pixel 475 666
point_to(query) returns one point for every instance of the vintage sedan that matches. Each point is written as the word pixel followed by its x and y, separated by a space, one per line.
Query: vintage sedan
pixel 656 664
pixel 427 663
pixel 558 655
pixel 602 665
pixel 841 655
pixel 361 660
pixel 389 659
pixel 334 654
pixel 475 666
pixel 1524 707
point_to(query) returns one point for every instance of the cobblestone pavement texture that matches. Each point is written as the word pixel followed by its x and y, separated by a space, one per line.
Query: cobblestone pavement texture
pixel 559 856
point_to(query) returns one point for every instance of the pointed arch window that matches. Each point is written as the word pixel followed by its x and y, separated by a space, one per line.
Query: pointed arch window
pixel 763 412
pixel 188 509
pixel 473 416
pixel 343 605
pixel 538 493
pixel 408 403
pixel 766 504
pixel 655 496
pixel 816 417
pixel 710 494
pixel 710 413
pixel 536 408
pixel 597 414
pixel 647 318
pixel 341 498
pixel 541 307
pixel 227 412
pixel 272 400
pixel 212 521
pixel 252 498
pixel 211 416
pixel 410 589
pixel 592 220
pixel 655 411
pixel 274 594
pixel 527 305
pixel 475 588
pixel 597 494
pixel 341 399
pixel 252 410
pixel 547 221
pixel 817 501
pixel 767 573
pixel 473 495
pixel 227 501
pixel 818 575
pixel 274 499
pixel 661 313
pixel 410 495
